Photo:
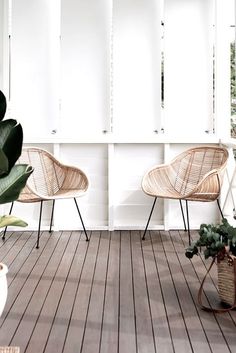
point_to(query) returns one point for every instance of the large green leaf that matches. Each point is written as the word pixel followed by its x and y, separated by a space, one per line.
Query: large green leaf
pixel 4 166
pixel 12 184
pixel 11 139
pixel 3 105
pixel 10 220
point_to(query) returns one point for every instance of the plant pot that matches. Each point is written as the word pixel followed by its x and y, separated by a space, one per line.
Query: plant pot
pixel 3 286
pixel 226 280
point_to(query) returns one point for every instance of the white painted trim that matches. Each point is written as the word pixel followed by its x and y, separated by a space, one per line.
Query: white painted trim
pixel 222 70
pixel 128 139
pixel 117 227
pixel 111 187
pixel 166 201
pixel 6 49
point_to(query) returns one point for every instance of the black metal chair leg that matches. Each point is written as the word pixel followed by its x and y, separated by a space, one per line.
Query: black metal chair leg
pixel 182 211
pixel 53 204
pixel 4 233
pixel 87 239
pixel 40 216
pixel 143 237
pixel 187 215
pixel 218 203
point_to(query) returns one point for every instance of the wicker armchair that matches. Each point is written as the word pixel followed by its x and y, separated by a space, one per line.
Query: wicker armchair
pixel 51 180
pixel 194 175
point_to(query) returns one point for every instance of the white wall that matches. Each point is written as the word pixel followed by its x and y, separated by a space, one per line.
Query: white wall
pixel 189 37
pixel 136 66
pixel 79 68
pixel 34 82
pixel 85 66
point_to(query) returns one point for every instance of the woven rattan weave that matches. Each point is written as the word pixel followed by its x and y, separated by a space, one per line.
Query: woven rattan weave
pixel 9 350
pixel 226 280
pixel 195 174
pixel 51 180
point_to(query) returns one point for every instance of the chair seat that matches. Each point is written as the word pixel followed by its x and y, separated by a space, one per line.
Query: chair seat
pixel 65 193
pixel 155 189
pixel 61 194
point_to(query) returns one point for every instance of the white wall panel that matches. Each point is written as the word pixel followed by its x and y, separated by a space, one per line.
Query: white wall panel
pixel 188 66
pixel 92 159
pixel 136 63
pixel 85 65
pixel 34 65
pixel 131 205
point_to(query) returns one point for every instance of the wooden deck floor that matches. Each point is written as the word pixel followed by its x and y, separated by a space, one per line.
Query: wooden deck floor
pixel 112 294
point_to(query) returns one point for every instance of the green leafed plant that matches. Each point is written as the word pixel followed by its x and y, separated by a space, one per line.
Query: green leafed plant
pixel 13 177
pixel 214 240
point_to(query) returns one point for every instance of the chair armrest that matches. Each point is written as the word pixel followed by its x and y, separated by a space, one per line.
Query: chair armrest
pixel 29 193
pixel 209 186
pixel 160 174
pixel 75 178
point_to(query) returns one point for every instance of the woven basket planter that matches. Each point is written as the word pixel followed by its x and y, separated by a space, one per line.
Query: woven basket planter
pixel 226 280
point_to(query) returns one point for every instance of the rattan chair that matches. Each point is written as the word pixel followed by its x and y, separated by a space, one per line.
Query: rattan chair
pixel 194 175
pixel 51 180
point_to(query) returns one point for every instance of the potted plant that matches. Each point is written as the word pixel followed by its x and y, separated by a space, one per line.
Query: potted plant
pixel 218 242
pixel 215 239
pixel 13 178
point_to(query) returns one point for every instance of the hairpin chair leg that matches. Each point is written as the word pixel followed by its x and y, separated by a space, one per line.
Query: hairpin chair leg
pixel 4 233
pixel 87 239
pixel 182 211
pixel 218 203
pixel 143 237
pixel 187 215
pixel 53 204
pixel 40 216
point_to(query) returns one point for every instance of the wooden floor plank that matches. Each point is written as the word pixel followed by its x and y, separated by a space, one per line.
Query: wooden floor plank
pixel 160 321
pixel 13 246
pixel 19 306
pixel 145 333
pixel 193 323
pixel 92 337
pixel 127 325
pixel 19 278
pixel 35 312
pixel 176 321
pixel 18 261
pixel 113 294
pixel 76 329
pixel 110 328
pixel 61 322
pixel 55 282
pixel 7 244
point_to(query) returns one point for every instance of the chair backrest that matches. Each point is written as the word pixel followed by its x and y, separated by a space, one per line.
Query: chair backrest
pixel 48 176
pixel 192 165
